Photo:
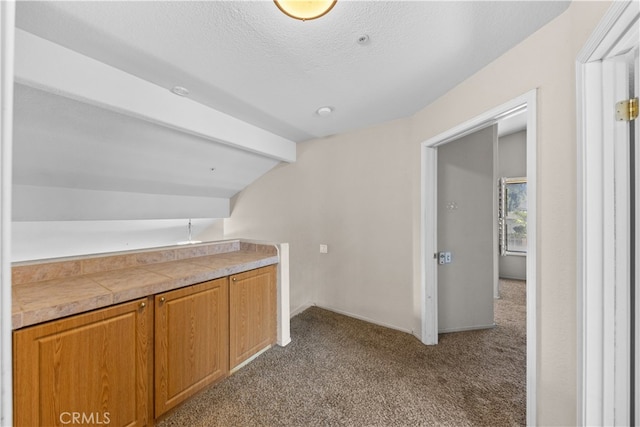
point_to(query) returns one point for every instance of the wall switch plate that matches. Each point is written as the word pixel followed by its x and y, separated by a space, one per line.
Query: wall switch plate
pixel 324 249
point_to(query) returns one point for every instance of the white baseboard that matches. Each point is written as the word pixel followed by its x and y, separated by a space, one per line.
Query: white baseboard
pixel 366 319
pixel 466 328
pixel 299 310
pixel 303 307
pixel 522 279
pixel 249 360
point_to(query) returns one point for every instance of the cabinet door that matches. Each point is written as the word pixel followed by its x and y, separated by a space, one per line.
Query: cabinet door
pixel 191 342
pixel 88 369
pixel 252 313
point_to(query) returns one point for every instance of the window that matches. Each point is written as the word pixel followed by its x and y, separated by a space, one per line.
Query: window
pixel 513 216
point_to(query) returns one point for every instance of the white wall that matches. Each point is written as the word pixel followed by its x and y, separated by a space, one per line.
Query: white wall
pixel 36 203
pixel 512 163
pixel 52 239
pixel 359 192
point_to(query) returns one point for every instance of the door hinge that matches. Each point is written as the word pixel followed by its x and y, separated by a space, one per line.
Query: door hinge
pixel 627 110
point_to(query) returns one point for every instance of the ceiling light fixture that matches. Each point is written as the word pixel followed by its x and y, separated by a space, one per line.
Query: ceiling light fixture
pixel 305 10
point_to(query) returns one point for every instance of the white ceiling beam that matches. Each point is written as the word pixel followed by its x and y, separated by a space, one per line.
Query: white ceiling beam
pixel 53 68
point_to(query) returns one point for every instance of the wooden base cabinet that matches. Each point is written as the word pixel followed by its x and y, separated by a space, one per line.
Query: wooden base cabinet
pixel 89 369
pixel 191 342
pixel 252 313
pixel 128 364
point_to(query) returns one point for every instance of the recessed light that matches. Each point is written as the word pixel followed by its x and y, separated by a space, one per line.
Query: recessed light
pixel 179 90
pixel 324 111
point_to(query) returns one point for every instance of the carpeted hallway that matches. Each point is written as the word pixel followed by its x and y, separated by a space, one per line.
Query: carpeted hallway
pixel 339 371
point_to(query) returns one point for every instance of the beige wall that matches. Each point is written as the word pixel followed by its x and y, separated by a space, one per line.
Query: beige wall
pixel 359 193
pixel 351 192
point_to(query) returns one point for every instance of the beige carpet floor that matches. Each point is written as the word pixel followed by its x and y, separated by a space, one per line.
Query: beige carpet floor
pixel 339 371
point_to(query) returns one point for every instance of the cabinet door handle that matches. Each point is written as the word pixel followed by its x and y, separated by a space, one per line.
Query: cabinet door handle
pixel 143 304
pixel 162 300
pixel 233 279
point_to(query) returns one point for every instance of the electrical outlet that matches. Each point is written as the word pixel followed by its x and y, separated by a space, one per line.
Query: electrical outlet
pixel 324 249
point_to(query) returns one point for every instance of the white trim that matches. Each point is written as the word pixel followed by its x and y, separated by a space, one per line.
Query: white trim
pixel 7 28
pixel 284 326
pixel 590 268
pixel 429 218
pixel 496 228
pixel 621 227
pixel 249 360
pixel 602 225
pixel 470 328
pixel 637 261
pixel 363 318
pixel 299 310
pixel 532 259
pixel 428 289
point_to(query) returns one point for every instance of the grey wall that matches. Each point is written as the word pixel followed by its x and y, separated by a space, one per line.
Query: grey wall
pixel 466 213
pixel 512 162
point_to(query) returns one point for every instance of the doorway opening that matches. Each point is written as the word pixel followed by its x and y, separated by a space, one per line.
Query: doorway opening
pixel 526 105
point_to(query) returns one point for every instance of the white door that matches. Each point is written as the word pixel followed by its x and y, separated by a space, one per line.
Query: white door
pixel 466 231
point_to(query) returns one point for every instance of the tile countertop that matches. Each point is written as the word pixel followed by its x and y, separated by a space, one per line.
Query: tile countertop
pixel 52 289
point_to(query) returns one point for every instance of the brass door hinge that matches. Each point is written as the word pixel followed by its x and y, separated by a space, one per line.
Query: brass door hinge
pixel 627 110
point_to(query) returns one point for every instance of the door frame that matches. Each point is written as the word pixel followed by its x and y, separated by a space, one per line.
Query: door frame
pixel 7 30
pixel 603 230
pixel 429 223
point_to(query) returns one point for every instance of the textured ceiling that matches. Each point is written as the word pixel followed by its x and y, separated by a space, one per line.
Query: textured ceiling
pixel 249 60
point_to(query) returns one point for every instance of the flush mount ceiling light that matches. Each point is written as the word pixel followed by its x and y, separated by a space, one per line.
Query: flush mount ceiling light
pixel 305 10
